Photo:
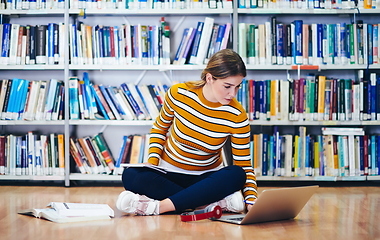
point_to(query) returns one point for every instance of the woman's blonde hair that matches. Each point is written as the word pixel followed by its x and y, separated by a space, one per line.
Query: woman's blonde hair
pixel 224 63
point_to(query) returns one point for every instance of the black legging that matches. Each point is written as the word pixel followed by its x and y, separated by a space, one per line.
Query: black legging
pixel 184 190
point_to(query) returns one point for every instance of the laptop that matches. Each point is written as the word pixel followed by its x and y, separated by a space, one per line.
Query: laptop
pixel 274 205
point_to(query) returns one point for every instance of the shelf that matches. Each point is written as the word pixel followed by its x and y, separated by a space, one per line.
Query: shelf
pixel 103 177
pixel 315 178
pixel 34 178
pixel 112 122
pixel 373 178
pixel 311 67
pixel 21 122
pixel 32 67
pixel 197 11
pixel 306 11
pixel 201 67
pixel 94 177
pixel 136 67
pixel 311 123
pixel 34 12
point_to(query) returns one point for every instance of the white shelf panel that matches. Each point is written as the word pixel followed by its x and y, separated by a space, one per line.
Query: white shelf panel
pixel 33 12
pixel 311 67
pixel 318 123
pixel 20 122
pixel 199 11
pixel 306 11
pixel 112 122
pixel 32 67
pixel 35 178
pixel 373 178
pixel 94 177
pixel 315 178
pixel 136 67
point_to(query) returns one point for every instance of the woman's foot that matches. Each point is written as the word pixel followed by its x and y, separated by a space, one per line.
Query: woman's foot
pixel 231 203
pixel 133 203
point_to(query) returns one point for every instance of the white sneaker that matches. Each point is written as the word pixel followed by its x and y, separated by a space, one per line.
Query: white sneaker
pixel 232 203
pixel 133 203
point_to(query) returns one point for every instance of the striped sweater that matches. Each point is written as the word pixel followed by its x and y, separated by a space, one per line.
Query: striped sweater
pixel 198 131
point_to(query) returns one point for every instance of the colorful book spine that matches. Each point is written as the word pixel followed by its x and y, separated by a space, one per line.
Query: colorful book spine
pixel 298 41
pixel 73 98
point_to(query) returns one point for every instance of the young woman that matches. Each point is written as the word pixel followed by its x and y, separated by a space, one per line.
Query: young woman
pixel 200 116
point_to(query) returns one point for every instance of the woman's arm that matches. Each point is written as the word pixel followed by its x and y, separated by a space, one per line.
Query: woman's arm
pixel 240 146
pixel 160 129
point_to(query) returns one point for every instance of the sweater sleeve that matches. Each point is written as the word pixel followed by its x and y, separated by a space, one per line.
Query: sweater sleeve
pixel 240 146
pixel 160 129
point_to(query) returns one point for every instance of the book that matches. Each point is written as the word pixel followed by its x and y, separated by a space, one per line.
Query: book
pixel 41 44
pixel 135 149
pixel 205 39
pixel 73 98
pixel 62 212
pixel 194 49
pixel 75 154
pixel 104 150
pixel 140 165
pixel 123 155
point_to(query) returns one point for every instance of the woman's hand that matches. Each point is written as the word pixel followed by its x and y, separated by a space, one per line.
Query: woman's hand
pixel 250 204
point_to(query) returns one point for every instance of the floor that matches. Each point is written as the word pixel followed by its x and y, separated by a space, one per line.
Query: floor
pixel 332 213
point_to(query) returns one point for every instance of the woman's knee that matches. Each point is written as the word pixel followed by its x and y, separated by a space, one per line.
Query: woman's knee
pixel 129 178
pixel 238 174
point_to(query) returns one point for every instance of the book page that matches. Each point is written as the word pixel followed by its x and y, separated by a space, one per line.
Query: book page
pixel 157 168
pixel 81 209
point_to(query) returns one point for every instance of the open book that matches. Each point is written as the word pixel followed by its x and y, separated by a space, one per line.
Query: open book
pixel 157 168
pixel 71 212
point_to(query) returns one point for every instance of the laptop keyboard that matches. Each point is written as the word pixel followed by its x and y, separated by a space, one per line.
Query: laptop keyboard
pixel 237 219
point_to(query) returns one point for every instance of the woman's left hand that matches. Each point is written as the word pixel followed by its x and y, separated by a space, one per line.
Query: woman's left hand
pixel 249 206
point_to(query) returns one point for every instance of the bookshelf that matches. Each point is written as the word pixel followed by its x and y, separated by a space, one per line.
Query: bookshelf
pixel 178 20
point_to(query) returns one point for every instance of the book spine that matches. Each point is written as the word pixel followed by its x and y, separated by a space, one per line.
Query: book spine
pixel 50 98
pixel 298 41
pixel 137 110
pixel 205 39
pixel 104 151
pixel 50 43
pixel 73 96
pixel 41 44
pixel 110 102
pixel 181 46
pixel 185 56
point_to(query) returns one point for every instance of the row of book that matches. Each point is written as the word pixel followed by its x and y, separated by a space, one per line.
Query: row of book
pixel 110 45
pixel 336 152
pixel 125 102
pixel 186 4
pixel 200 43
pixel 277 43
pixel 32 154
pixel 151 4
pixel 91 155
pixel 124 4
pixel 134 149
pixel 314 98
pixel 22 99
pixel 125 44
pixel 41 44
pixel 32 4
pixel 308 4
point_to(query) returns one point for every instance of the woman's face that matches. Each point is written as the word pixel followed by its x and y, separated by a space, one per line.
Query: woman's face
pixel 222 90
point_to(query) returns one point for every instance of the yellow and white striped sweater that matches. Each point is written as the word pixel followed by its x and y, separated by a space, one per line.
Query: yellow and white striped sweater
pixel 199 129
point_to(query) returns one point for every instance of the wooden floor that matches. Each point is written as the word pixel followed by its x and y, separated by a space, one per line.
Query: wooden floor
pixel 332 213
